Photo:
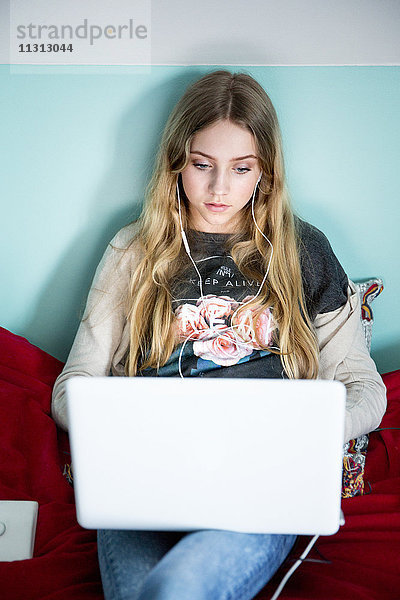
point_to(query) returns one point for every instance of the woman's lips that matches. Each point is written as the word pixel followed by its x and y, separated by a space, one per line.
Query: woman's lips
pixel 214 207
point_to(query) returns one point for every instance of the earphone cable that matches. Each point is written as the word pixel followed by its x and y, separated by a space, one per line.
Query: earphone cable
pixel 269 242
pixel 293 568
pixel 238 340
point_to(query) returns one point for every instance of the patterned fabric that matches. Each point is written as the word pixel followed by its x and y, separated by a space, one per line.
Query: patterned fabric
pixel 67 472
pixel 353 466
pixel 368 290
pixel 354 452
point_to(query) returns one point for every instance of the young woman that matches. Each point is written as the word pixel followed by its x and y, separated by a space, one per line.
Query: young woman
pixel 218 278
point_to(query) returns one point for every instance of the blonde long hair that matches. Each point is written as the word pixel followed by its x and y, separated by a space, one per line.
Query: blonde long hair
pixel 217 96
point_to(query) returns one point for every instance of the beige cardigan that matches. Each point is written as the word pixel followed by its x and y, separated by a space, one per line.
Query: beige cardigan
pixel 103 338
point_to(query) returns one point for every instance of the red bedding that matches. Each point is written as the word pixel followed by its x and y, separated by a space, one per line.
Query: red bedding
pixel 362 561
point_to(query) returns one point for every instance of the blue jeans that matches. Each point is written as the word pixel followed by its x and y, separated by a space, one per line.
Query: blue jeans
pixel 206 565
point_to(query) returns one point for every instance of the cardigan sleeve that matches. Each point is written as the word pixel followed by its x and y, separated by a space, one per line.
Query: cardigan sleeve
pixel 344 356
pixel 101 329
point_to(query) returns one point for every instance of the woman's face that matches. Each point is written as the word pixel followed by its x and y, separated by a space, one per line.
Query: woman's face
pixel 220 178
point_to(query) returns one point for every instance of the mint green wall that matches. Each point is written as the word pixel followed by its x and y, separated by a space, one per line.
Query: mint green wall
pixel 77 151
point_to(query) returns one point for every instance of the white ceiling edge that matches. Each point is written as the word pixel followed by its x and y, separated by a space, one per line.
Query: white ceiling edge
pixel 256 32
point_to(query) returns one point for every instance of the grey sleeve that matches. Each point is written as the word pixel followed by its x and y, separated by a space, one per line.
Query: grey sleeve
pixel 324 279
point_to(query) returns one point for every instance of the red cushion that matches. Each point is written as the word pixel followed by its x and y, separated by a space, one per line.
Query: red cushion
pixel 65 557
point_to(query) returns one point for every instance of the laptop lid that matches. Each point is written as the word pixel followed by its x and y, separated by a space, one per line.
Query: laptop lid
pixel 249 455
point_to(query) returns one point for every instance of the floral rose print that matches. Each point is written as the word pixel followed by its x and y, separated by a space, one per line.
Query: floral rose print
pixel 220 334
pixel 264 327
pixel 214 308
pixel 226 349
pixel 190 323
pixel 243 325
pixel 249 330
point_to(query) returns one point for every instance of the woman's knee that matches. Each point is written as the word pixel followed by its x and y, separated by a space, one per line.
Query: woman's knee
pixel 216 564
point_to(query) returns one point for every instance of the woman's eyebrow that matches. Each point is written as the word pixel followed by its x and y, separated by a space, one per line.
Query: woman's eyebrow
pixel 232 159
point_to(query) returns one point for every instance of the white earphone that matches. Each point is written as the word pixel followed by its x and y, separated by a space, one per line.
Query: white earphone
pixel 187 249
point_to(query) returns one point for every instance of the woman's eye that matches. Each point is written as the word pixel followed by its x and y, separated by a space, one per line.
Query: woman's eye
pixel 204 166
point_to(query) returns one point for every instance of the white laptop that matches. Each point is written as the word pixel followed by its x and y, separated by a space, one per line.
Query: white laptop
pixel 248 455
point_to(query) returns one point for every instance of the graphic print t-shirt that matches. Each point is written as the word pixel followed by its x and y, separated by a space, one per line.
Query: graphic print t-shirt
pixel 217 342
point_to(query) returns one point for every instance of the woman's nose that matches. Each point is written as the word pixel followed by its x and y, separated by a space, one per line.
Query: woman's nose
pixel 219 184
